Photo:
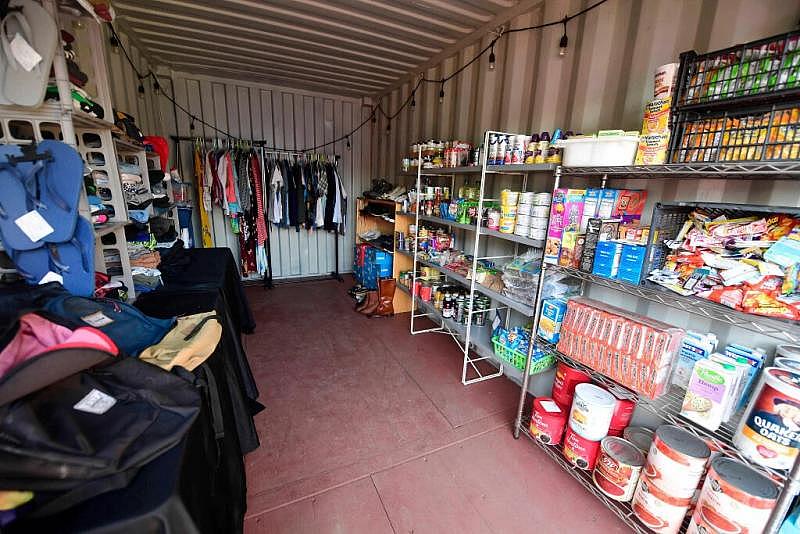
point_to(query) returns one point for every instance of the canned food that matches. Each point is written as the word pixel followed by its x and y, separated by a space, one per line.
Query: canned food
pixel 788 351
pixel 579 451
pixel 538 233
pixel 547 421
pixel 508 197
pixel 539 223
pixel 541 211
pixel 507 225
pixel 542 199
pixel 734 498
pixel 564 384
pixel 623 411
pixel 640 436
pixel 659 511
pixel 524 209
pixel 676 461
pixel 618 467
pixel 493 219
pixel 591 412
pixel 767 434
pixel 523 220
pixel 527 197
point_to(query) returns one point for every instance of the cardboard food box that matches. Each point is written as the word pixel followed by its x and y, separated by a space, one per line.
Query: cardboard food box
pixel 566 214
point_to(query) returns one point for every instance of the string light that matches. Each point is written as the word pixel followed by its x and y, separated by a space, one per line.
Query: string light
pixel 191 125
pixel 116 43
pixel 388 127
pixel 562 45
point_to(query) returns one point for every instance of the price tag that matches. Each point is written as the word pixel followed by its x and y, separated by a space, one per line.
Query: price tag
pixel 95 402
pixel 34 226
pixel 51 277
pixel 97 319
pixel 550 406
pixel 24 53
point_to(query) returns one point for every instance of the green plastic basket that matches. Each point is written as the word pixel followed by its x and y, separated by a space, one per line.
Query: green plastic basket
pixel 517 358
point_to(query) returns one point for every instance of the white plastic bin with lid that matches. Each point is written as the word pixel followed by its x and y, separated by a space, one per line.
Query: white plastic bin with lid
pixel 609 151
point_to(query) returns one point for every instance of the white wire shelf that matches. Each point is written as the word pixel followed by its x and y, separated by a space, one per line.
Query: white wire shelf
pixel 584 477
pixel 445 171
pixel 527 241
pixel 514 304
pixel 776 328
pixel 521 168
pixel 746 170
pixel 107 228
pixel 668 407
pixel 480 336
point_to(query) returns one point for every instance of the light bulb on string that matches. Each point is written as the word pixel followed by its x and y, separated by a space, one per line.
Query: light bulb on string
pixel 374 115
pixel 141 88
pixel 114 43
pixel 191 125
pixel 156 86
pixel 347 137
pixel 413 100
pixel 388 127
pixel 441 94
pixel 562 45
pixel 491 58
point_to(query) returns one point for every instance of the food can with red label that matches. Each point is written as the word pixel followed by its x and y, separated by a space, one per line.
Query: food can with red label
pixel 657 510
pixel 591 412
pixel 564 384
pixel 735 498
pixel 676 461
pixel 617 470
pixel 769 433
pixel 623 411
pixel 580 452
pixel 640 436
pixel 548 421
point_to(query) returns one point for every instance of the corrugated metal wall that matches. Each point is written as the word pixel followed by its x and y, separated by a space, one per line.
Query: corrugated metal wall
pixel 146 109
pixel 289 119
pixel 603 82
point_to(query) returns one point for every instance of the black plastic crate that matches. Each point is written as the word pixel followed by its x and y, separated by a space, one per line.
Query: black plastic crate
pixel 766 70
pixel 668 219
pixel 759 133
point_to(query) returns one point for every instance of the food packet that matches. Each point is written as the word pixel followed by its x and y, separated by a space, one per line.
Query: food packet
pixel 761 303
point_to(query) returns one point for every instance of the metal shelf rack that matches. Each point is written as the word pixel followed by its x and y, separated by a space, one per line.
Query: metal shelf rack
pixel 668 406
pixel 501 302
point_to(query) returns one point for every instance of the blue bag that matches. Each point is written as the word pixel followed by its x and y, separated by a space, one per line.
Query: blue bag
pixel 130 329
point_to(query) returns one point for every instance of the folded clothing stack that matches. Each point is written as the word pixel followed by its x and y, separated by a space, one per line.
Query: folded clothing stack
pixel 146 279
pixel 144 257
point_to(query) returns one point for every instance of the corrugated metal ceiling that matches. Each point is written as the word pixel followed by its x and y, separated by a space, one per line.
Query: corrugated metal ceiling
pixel 354 47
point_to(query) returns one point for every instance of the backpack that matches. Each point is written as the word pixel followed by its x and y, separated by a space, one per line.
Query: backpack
pixel 91 432
pixel 129 328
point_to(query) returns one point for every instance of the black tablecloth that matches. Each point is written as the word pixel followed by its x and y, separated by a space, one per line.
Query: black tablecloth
pixel 169 302
pixel 209 268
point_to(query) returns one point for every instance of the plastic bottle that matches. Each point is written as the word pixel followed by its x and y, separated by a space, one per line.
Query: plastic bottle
pixel 544 146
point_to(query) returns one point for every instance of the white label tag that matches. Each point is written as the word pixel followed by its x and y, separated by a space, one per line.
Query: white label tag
pixel 97 319
pixel 51 277
pixel 95 402
pixel 550 406
pixel 34 226
pixel 24 53
pixel 496 322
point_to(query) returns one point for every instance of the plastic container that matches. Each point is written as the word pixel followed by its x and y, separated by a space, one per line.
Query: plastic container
pixel 600 151
pixel 508 197
pixel 592 410
pixel 517 358
pixel 579 451
pixel 524 209
pixel 541 211
pixel 547 421
pixel 538 233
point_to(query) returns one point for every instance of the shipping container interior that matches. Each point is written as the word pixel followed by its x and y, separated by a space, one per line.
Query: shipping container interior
pixel 320 218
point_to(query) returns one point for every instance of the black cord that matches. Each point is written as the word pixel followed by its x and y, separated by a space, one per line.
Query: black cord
pixel 375 109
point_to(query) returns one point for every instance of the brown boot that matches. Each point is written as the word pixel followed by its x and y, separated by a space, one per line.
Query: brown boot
pixel 370 303
pixel 386 288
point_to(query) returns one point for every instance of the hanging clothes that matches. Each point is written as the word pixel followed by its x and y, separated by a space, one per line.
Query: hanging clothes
pixel 204 195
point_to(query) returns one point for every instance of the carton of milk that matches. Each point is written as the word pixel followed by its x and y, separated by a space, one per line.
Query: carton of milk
pixel 711 391
pixel 695 346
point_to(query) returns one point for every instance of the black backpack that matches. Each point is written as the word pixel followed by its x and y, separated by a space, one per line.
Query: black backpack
pixel 91 432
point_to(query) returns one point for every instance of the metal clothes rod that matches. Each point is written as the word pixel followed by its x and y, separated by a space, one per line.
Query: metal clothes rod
pixel 254 143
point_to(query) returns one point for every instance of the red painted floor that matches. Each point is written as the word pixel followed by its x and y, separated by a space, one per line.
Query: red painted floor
pixel 369 430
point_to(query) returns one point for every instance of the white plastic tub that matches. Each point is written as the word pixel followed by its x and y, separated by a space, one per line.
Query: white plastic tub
pixel 600 151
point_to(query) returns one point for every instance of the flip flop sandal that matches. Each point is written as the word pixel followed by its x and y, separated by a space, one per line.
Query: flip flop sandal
pixel 72 260
pixel 22 226
pixel 60 183
pixel 39 31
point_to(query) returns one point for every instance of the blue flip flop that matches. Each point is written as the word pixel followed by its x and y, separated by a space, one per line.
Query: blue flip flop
pixel 18 187
pixel 59 186
pixel 72 260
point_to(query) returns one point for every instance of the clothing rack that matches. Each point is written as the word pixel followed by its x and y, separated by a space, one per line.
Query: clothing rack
pixel 229 142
